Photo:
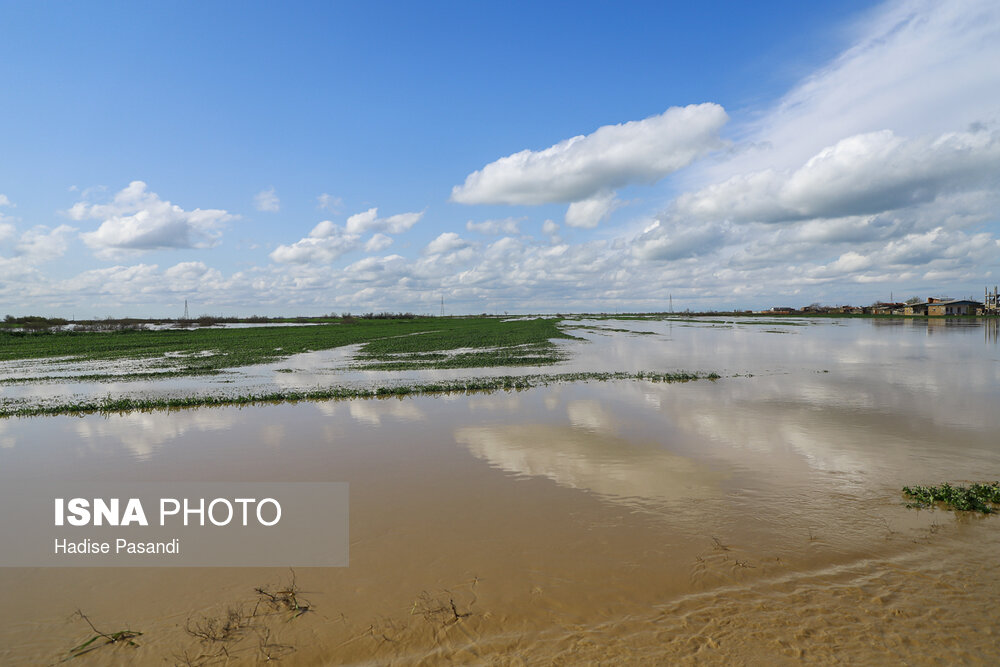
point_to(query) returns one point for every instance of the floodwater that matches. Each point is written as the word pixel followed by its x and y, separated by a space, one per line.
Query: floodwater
pixel 756 519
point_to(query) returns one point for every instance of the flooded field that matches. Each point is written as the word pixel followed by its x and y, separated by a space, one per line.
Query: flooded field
pixel 754 519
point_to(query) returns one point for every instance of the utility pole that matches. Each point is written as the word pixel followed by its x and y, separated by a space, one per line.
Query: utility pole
pixel 186 309
pixel 671 303
pixel 442 304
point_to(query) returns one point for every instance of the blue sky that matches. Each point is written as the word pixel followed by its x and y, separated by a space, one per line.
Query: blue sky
pixel 519 157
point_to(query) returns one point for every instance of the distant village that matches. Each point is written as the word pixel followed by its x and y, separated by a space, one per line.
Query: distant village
pixel 933 306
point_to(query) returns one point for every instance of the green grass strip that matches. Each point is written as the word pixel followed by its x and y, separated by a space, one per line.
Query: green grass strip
pixel 111 405
pixel 113 377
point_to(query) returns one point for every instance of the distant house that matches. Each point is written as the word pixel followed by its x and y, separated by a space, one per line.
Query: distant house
pixel 943 306
pixel 881 308
pixel 782 310
pixel 953 307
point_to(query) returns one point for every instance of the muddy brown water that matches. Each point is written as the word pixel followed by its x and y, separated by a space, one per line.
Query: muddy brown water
pixel 751 520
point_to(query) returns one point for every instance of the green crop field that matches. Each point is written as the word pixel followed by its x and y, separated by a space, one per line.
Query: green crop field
pixel 387 344
pixel 384 344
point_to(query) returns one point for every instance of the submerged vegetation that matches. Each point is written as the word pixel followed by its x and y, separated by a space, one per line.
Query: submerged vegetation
pixel 979 497
pixel 482 384
pixel 386 342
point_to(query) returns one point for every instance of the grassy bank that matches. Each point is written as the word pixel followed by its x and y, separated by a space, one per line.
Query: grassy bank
pixel 483 384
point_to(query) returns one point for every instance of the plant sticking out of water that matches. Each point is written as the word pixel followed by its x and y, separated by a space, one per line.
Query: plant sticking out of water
pixel 437 610
pixel 224 628
pixel 269 650
pixel 224 638
pixel 285 598
pixel 122 637
pixel 980 497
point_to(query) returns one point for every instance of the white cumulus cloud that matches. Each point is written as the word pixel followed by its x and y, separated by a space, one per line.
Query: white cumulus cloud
pixel 639 151
pixel 193 277
pixel 325 243
pixel 378 242
pixel 32 247
pixel 43 244
pixel 551 229
pixel 674 241
pixel 916 67
pixel 267 200
pixel 878 172
pixel 935 251
pixel 495 227
pixel 588 213
pixel 863 174
pixel 4 201
pixel 329 202
pixel 137 220
pixel 368 221
pixel 445 243
pixel 328 241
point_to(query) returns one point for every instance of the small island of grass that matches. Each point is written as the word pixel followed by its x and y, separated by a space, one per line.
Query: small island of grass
pixel 979 497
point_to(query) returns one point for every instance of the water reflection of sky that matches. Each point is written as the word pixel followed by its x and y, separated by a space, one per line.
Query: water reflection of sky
pixel 729 346
pixel 843 404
